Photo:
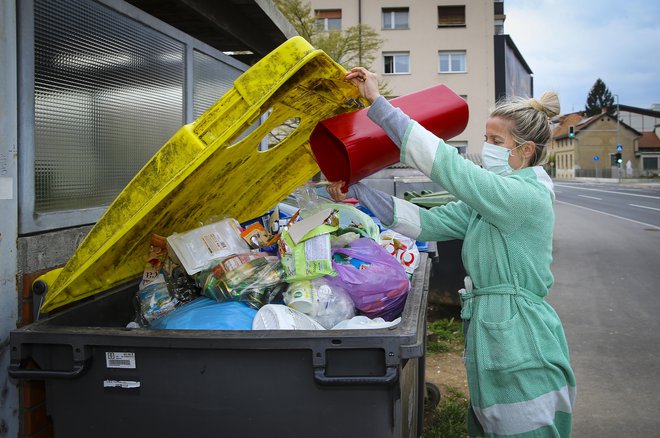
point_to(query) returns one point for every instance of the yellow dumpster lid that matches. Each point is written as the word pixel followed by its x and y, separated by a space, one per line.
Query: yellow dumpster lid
pixel 208 169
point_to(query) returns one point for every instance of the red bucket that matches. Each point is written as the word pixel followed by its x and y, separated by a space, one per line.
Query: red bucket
pixel 349 147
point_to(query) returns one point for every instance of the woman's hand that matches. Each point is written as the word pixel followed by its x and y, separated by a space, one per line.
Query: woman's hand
pixel 366 81
pixel 335 191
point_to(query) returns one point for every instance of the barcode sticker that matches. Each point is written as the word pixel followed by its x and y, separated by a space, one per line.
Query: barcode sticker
pixel 114 359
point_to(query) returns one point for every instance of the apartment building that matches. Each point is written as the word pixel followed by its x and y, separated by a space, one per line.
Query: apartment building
pixel 460 44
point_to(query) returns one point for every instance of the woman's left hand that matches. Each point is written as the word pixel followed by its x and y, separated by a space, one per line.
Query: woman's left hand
pixel 366 81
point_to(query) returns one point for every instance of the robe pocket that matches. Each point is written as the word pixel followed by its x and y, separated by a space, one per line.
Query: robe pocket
pixel 505 345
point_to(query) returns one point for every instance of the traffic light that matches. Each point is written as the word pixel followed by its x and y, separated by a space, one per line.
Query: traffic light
pixel 617 158
pixel 571 131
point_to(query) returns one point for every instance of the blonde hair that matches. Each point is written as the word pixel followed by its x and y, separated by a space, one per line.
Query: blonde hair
pixel 531 121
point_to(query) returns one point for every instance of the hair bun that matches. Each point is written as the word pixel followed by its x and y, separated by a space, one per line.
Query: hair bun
pixel 547 104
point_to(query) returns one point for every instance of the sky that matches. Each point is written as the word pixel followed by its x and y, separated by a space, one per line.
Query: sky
pixel 569 44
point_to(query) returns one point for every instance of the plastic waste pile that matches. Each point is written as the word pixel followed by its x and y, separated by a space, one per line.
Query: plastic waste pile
pixel 314 265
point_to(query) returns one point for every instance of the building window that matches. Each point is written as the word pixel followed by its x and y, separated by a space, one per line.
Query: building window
pixel 328 19
pixel 396 63
pixel 452 62
pixel 451 16
pixel 650 163
pixel 395 18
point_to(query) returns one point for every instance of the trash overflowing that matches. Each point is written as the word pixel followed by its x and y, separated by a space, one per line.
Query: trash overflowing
pixel 321 266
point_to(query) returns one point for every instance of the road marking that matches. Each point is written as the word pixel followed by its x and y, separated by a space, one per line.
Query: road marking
pixel 608 214
pixel 644 206
pixel 607 191
pixel 590 197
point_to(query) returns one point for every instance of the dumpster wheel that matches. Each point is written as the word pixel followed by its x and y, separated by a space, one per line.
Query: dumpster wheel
pixel 431 396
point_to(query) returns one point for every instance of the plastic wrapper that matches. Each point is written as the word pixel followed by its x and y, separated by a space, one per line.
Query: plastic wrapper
pixel 254 279
pixel 304 247
pixel 402 248
pixel 155 301
pixel 375 280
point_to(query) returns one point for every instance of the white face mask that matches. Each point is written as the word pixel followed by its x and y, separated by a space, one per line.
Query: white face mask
pixel 496 159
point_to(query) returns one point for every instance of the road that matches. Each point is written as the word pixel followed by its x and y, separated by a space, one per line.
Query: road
pixel 637 204
pixel 607 293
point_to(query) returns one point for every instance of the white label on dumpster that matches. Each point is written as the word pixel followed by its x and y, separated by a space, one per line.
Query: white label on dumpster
pixel 114 359
pixel 126 384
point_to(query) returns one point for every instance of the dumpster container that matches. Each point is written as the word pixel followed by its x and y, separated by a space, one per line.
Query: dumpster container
pixel 104 380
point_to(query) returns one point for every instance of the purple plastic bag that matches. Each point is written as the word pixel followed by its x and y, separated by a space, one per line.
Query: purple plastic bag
pixel 379 287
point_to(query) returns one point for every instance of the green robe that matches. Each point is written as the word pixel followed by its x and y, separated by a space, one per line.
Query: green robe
pixel 520 379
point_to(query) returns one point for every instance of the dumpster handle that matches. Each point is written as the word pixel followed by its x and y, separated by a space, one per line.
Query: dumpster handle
pixel 18 373
pixel 391 374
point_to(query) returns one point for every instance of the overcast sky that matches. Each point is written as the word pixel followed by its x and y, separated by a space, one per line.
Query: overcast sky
pixel 569 44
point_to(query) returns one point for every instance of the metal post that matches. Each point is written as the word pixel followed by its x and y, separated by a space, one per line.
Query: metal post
pixel 618 130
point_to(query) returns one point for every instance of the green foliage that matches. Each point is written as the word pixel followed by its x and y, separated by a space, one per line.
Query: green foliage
pixel 444 335
pixel 449 419
pixel 352 46
pixel 599 98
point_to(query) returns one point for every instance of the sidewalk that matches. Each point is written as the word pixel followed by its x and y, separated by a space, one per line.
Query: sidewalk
pixel 641 183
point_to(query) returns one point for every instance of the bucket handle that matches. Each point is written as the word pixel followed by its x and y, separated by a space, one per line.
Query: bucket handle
pixel 390 376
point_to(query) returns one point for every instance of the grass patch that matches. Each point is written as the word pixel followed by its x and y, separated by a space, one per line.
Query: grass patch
pixel 449 419
pixel 444 335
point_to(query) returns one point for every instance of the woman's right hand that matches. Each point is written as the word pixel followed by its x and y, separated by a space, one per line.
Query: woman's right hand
pixel 335 191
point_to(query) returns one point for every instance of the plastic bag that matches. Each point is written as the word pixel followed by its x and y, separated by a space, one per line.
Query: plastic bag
pixel 281 317
pixel 375 280
pixel 362 322
pixel 207 314
pixel 253 278
pixel 402 248
pixel 350 219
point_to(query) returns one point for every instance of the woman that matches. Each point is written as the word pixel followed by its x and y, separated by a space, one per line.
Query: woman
pixel 519 375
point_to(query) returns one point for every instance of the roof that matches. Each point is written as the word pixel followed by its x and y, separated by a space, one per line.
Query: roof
pixel 648 140
pixel 253 26
pixel 580 123
pixel 633 109
pixel 561 130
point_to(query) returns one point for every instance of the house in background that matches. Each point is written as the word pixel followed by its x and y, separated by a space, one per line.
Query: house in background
pixel 587 146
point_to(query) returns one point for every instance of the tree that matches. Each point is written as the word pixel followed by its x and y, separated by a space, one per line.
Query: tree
pixel 599 98
pixel 350 47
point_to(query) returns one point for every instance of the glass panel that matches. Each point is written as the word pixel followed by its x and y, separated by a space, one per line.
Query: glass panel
pixel 444 62
pixel 650 163
pixel 387 20
pixel 334 23
pixel 389 64
pixel 456 62
pixel 401 20
pixel 108 94
pixel 211 80
pixel 401 65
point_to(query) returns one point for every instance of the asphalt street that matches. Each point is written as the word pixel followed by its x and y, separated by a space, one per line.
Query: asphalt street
pixel 607 293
